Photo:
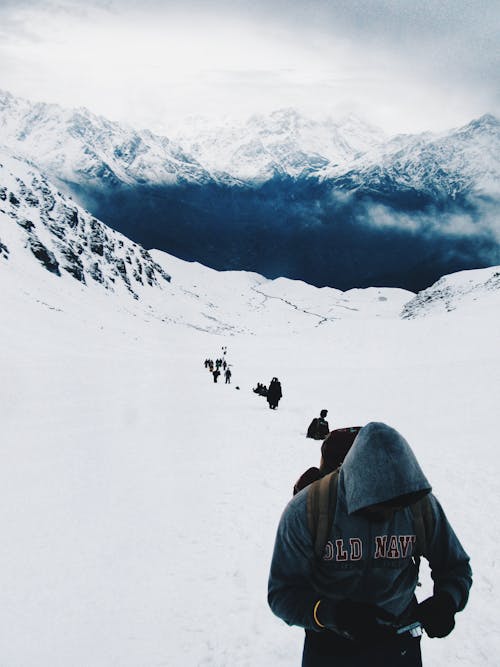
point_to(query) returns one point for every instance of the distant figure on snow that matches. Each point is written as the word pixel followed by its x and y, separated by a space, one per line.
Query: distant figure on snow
pixel 227 375
pixel 260 389
pixel 318 428
pixel 274 393
pixel 216 374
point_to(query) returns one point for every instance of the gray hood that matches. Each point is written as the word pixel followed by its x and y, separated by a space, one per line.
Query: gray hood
pixel 379 467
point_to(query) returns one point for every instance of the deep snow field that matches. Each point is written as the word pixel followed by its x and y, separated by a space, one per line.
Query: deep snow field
pixel 140 500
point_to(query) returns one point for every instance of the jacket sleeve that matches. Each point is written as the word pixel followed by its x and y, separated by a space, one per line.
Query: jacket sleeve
pixel 449 564
pixel 291 593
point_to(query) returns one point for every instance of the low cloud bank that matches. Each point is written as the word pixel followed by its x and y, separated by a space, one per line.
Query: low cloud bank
pixel 305 230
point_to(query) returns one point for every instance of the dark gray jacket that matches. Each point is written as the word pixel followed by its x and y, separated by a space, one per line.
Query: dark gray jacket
pixel 365 561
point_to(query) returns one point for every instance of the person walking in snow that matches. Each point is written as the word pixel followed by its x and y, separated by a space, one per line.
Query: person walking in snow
pixel 355 593
pixel 318 428
pixel 216 374
pixel 274 393
pixel 333 451
pixel 227 375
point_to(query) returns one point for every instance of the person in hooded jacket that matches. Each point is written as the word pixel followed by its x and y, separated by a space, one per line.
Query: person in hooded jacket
pixel 352 601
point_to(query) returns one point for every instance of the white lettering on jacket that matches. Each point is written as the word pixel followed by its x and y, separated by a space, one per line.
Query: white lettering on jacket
pixel 386 546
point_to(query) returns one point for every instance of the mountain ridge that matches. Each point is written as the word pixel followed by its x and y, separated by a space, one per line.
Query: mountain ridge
pixel 399 212
pixel 41 227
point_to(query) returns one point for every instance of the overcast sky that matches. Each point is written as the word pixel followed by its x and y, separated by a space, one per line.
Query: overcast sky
pixel 406 65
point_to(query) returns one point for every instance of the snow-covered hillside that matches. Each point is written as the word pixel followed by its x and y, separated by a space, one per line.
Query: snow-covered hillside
pixel 76 146
pixel 461 162
pixel 38 224
pixel 463 290
pixel 44 232
pixel 79 147
pixel 46 239
pixel 283 143
pixel 140 499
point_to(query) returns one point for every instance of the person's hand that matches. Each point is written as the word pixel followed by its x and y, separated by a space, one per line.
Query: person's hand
pixel 352 620
pixel 437 615
pixel 359 619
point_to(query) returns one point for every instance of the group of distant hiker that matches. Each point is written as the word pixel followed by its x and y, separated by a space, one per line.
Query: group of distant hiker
pixel 273 393
pixel 214 368
pixel 348 547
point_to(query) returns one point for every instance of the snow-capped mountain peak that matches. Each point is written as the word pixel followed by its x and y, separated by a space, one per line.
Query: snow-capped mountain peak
pixel 281 143
pixel 77 146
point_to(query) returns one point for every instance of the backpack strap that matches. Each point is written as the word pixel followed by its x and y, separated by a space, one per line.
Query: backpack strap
pixel 321 505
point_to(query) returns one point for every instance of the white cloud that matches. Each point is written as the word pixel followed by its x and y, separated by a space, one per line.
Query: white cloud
pixel 148 63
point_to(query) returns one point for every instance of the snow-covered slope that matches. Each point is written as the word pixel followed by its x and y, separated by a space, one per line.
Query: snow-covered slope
pixel 46 239
pixel 283 143
pixel 39 225
pixel 463 290
pixel 462 162
pixel 283 305
pixel 140 500
pixel 76 146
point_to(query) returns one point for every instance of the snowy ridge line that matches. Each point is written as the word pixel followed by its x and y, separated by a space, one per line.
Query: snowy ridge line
pixel 75 145
pixel 40 225
pixel 450 292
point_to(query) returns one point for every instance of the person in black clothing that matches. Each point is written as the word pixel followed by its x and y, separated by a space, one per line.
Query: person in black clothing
pixel 318 428
pixel 227 375
pixel 274 393
pixel 216 374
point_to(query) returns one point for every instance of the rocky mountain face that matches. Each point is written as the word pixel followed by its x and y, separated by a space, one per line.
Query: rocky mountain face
pixel 458 165
pixel 282 144
pixel 77 147
pixel 331 203
pixel 39 221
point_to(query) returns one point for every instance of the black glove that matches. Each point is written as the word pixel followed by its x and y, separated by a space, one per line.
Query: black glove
pixel 437 614
pixel 352 620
